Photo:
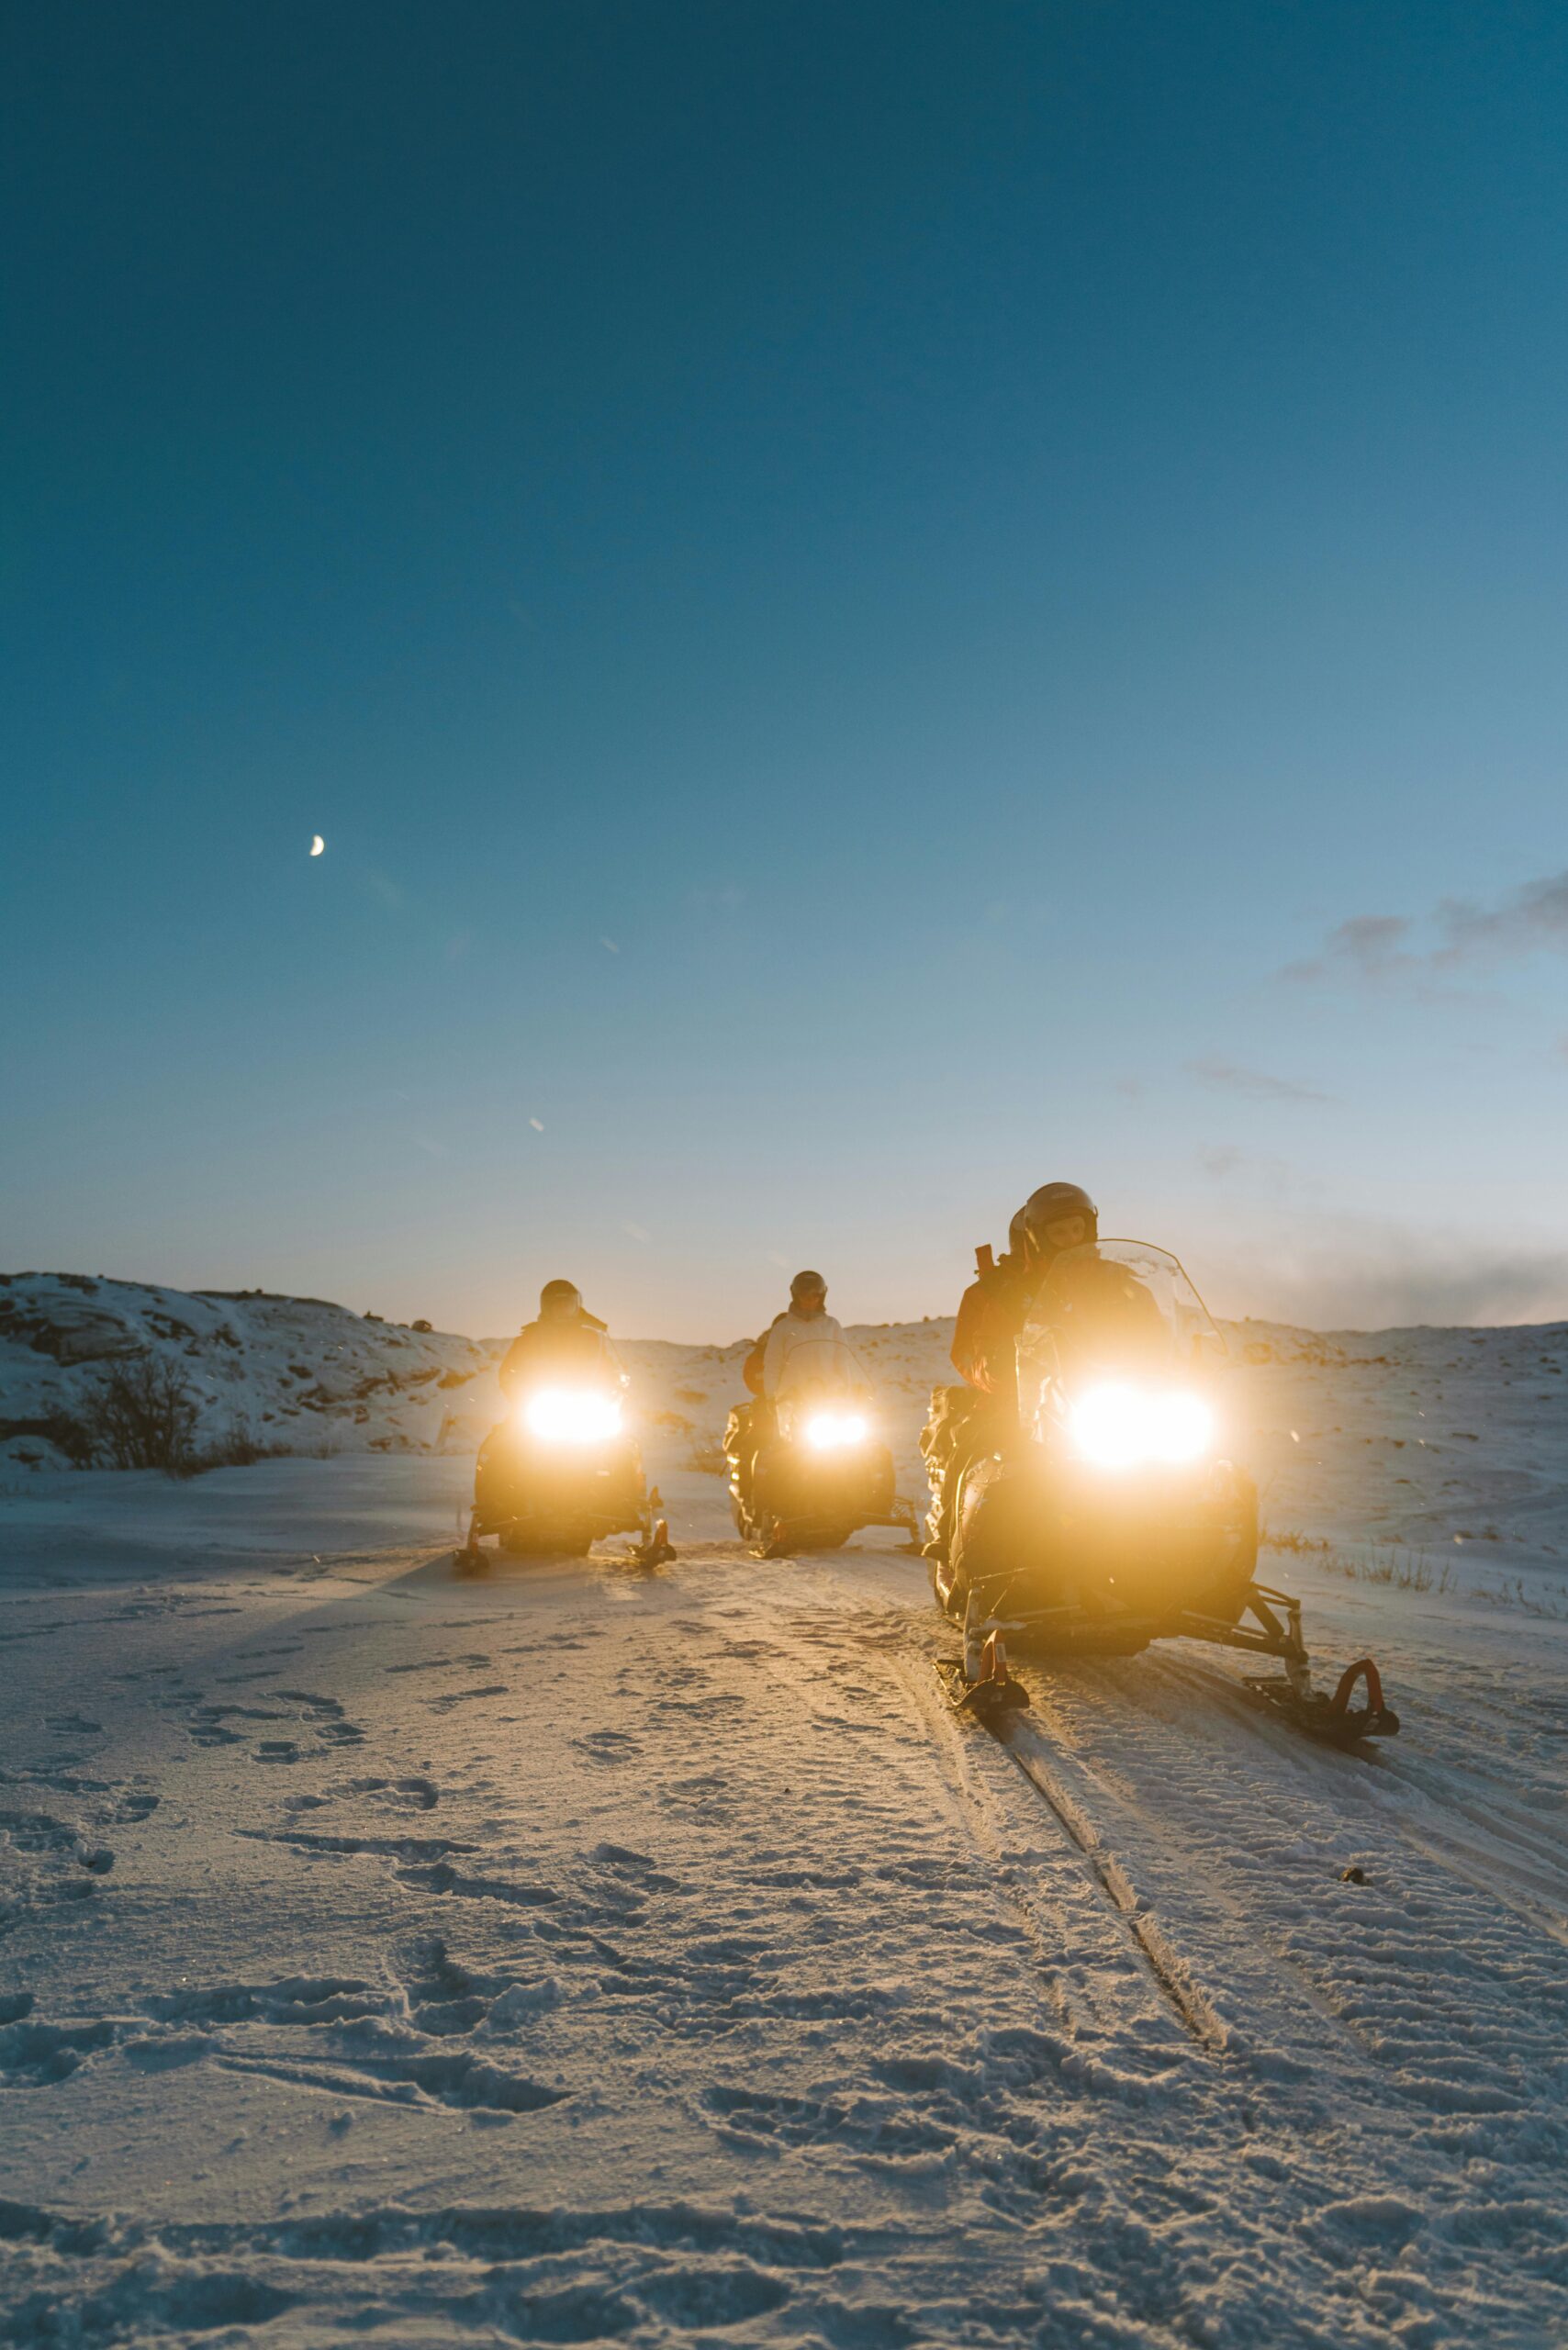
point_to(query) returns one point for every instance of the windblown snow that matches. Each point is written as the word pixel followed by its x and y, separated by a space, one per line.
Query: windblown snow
pixel 583 1955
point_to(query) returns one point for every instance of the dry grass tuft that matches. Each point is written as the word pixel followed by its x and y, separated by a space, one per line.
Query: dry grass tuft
pixel 1389 1564
pixel 1399 1569
pixel 1550 1600
pixel 1381 1563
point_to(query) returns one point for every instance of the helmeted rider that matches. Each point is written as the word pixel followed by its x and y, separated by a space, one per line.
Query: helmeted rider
pixel 991 1313
pixel 803 1335
pixel 565 1342
pixel 805 1347
pixel 805 1321
pixel 996 1305
pixel 524 1474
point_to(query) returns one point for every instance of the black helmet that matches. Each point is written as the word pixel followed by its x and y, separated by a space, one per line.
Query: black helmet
pixel 1050 1202
pixel 807 1284
pixel 558 1298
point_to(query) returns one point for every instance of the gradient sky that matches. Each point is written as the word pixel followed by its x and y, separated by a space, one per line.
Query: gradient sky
pixel 876 603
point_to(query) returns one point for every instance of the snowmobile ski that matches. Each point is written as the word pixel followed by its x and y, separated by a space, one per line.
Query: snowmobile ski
pixel 988 1694
pixel 1336 1721
pixel 656 1551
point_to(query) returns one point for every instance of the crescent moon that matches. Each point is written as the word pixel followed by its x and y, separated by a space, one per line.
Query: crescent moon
pixel 317 843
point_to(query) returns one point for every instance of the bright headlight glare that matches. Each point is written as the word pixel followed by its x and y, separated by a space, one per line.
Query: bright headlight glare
pixel 1184 1428
pixel 571 1415
pixel 828 1431
pixel 1123 1427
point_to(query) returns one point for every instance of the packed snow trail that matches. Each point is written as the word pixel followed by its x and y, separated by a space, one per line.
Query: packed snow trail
pixel 582 1955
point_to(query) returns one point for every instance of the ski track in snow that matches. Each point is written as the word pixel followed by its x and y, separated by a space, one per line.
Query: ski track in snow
pixel 575 1955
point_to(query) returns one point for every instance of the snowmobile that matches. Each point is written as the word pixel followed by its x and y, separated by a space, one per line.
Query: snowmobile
pixel 808 1469
pixel 1114 1519
pixel 559 1473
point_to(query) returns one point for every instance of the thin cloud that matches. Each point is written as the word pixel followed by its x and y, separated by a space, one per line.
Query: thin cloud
pixel 1232 1077
pixel 1533 916
pixel 1259 1171
pixel 1377 949
pixel 1368 946
pixel 1394 1282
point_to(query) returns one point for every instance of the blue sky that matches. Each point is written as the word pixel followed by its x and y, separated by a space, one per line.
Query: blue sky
pixel 853 591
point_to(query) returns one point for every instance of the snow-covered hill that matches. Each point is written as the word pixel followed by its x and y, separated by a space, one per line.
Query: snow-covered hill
pixel 295 1372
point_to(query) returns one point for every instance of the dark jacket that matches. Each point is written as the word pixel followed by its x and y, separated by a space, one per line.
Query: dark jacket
pixel 1096 1306
pixel 575 1347
pixel 992 1312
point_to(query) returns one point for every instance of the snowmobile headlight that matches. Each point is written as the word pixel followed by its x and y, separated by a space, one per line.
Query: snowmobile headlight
pixel 832 1431
pixel 571 1415
pixel 1127 1428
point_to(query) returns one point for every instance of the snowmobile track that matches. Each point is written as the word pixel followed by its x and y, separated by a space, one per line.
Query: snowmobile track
pixel 1172 1977
pixel 1188 2001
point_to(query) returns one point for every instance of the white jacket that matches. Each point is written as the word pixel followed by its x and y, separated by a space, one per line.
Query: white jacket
pixel 805 1352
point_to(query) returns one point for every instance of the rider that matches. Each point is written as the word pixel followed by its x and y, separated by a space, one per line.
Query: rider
pixel 995 1307
pixel 521 1466
pixel 566 1341
pixel 797 1339
pixel 806 1322
pixel 982 1415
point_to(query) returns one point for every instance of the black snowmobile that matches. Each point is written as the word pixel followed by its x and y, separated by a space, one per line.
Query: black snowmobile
pixel 1113 1519
pixel 810 1470
pixel 559 1473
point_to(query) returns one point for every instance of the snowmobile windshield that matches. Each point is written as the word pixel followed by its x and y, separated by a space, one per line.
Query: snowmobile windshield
pixel 822 1366
pixel 1114 1307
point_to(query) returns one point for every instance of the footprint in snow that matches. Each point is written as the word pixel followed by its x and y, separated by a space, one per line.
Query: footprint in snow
pixel 467 1696
pixel 636 1866
pixel 466 2082
pixel 608 1746
pixel 398 1795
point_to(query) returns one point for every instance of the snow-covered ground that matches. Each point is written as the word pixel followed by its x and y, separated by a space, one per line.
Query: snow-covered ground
pixel 579 1955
